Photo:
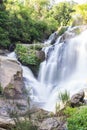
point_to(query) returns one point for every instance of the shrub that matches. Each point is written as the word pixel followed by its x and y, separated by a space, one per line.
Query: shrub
pixel 69 111
pixel 4 38
pixel 78 120
pixel 26 55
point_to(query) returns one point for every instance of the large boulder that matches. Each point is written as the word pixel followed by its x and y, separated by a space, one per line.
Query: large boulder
pixel 51 124
pixel 11 80
pixel 77 99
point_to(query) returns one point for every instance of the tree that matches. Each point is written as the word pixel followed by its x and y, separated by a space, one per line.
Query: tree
pixel 62 13
pixel 4 35
pixel 81 13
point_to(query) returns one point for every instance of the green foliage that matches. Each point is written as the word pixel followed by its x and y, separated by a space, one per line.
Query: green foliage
pixel 27 55
pixel 80 15
pixel 69 111
pixel 78 121
pixel 64 97
pixel 4 35
pixel 62 13
pixel 4 38
pixel 1 89
pixel 28 21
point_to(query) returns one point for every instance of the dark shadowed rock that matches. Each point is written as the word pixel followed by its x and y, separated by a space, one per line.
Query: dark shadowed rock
pixel 77 99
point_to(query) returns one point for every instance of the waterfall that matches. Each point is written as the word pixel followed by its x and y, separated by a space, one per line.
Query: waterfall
pixel 65 68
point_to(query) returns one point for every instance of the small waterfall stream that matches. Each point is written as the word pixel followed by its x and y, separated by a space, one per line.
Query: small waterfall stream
pixel 64 69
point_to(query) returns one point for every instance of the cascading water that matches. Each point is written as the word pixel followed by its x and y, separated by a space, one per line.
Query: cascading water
pixel 65 68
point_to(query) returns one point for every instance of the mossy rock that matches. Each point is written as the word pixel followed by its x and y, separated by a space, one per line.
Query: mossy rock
pixel 30 55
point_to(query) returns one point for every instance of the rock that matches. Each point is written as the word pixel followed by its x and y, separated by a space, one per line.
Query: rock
pixel 40 55
pixel 66 36
pixel 6 123
pixel 54 37
pixel 12 47
pixel 4 52
pixel 39 114
pixel 77 99
pixel 11 79
pixel 2 129
pixel 50 124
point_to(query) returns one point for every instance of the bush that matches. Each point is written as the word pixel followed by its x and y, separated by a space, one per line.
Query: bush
pixel 69 111
pixel 78 120
pixel 27 55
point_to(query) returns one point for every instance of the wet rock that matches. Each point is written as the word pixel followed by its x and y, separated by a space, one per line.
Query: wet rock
pixel 40 55
pixel 66 36
pixel 54 38
pixel 77 99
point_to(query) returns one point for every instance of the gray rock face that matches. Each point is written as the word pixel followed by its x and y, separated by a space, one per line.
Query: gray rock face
pixel 77 99
pixel 50 124
pixel 11 77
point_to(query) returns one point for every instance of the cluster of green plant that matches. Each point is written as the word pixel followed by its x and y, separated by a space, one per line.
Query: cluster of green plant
pixel 78 120
pixel 69 111
pixel 64 97
pixel 27 55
